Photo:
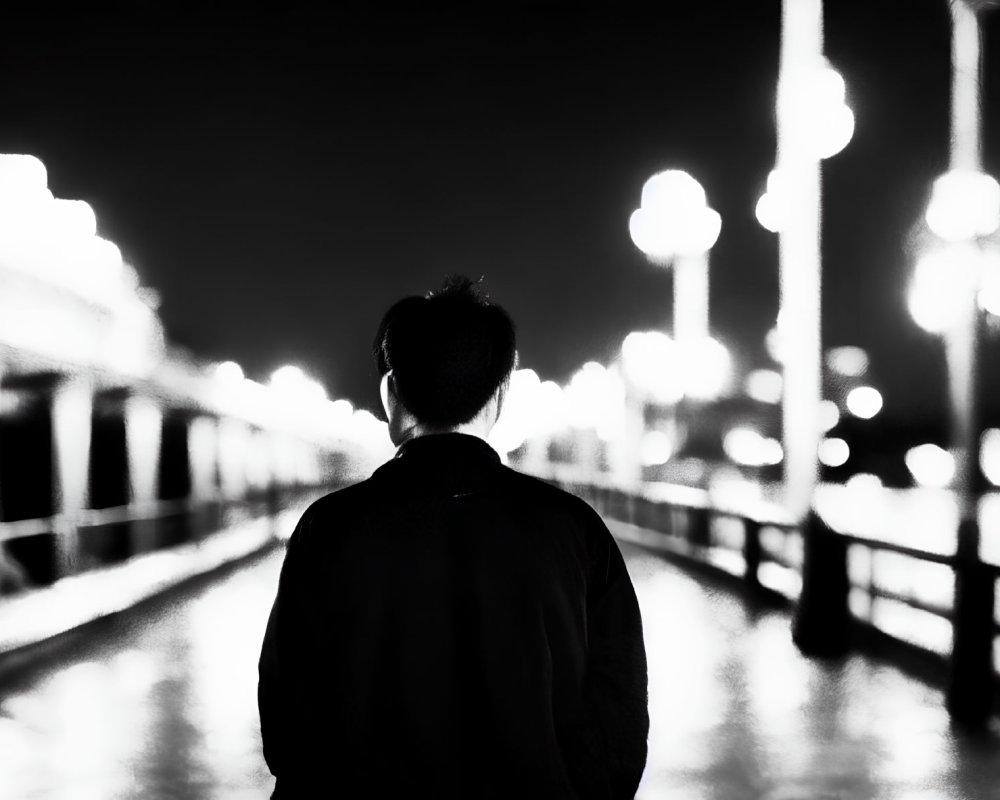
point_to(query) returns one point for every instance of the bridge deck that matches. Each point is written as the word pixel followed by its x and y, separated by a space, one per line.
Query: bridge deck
pixel 160 703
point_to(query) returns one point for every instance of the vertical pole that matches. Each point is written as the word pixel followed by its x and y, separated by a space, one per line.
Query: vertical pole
pixel 72 408
pixel 143 434
pixel 822 616
pixel 799 253
pixel 970 686
pixel 691 299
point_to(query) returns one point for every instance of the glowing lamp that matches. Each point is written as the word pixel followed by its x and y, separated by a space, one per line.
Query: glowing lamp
pixel 673 218
pixel 964 204
pixel 864 402
pixel 931 466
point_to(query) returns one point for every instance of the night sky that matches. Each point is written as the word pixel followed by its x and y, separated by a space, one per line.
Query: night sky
pixel 280 178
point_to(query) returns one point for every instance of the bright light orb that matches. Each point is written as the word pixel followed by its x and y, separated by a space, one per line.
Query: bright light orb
pixel 22 174
pixel 847 360
pixel 747 447
pixel 989 455
pixel 673 218
pixel 943 282
pixel 655 448
pixel 964 204
pixel 772 207
pixel 228 371
pixel 651 363
pixel 707 369
pixel 931 466
pixel 825 122
pixel 764 385
pixel 829 415
pixel 833 452
pixel 595 398
pixel 864 402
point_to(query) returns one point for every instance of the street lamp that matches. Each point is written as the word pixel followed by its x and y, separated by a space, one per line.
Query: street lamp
pixel 813 123
pixel 675 227
pixel 962 269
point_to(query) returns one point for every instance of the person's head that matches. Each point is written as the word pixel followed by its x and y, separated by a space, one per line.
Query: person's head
pixel 444 359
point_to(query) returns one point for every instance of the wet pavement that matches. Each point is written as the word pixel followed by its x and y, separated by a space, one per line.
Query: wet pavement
pixel 162 704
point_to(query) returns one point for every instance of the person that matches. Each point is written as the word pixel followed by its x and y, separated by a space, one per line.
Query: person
pixel 450 627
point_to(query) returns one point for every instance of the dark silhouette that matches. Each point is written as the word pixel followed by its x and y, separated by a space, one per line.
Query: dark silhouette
pixel 451 628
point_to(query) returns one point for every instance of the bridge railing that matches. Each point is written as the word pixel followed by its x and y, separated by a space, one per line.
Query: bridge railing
pixel 848 588
pixel 37 552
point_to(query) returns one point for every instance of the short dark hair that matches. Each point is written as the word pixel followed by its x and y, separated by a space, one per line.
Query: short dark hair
pixel 449 351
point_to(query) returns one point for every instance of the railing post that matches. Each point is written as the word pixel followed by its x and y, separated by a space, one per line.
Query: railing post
pixel 969 694
pixel 822 623
pixel 71 412
pixel 751 553
pixel 699 527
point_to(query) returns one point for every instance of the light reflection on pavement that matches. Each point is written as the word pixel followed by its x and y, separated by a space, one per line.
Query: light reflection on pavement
pixel 162 704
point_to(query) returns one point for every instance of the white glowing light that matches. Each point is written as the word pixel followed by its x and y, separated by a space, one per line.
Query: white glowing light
pixel 673 218
pixel 294 386
pixel 824 121
pixel 829 415
pixel 772 207
pixel 228 371
pixel 22 174
pixel 847 360
pixel 989 455
pixel 942 283
pixel 595 398
pixel 749 448
pixel 764 385
pixel 517 420
pixel 707 369
pixel 651 363
pixel 864 401
pixel 655 448
pixel 964 204
pixel 834 452
pixel 931 466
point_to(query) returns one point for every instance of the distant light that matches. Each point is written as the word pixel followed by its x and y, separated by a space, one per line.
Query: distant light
pixel 834 452
pixel 772 207
pixel 651 363
pixel 764 385
pixel 989 289
pixel 595 398
pixel 847 360
pixel 228 371
pixel 517 420
pixel 964 204
pixel 931 466
pixel 749 448
pixel 829 415
pixel 817 97
pixel 864 402
pixel 943 281
pixel 707 369
pixel 655 448
pixel 989 455
pixel 673 218
pixel 22 174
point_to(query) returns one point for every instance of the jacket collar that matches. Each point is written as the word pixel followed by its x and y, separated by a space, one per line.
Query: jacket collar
pixel 447 447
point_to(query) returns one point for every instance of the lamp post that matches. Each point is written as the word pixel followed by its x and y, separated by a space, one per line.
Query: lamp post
pixel 813 123
pixel 675 227
pixel 945 298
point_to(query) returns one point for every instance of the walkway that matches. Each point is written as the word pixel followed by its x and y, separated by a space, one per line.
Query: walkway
pixel 161 705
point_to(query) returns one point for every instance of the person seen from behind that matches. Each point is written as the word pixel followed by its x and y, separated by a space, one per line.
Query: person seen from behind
pixel 449 627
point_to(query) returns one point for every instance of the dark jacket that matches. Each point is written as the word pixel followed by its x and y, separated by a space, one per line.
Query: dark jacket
pixel 451 628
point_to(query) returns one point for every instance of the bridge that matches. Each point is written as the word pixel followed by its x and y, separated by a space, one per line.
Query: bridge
pixel 145 495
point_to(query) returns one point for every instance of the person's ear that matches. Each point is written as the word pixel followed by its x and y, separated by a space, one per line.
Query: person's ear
pixel 387 391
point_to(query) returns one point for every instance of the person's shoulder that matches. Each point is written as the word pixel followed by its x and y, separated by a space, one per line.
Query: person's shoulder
pixel 543 492
pixel 341 501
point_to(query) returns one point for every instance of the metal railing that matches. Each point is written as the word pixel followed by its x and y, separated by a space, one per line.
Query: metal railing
pixel 846 589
